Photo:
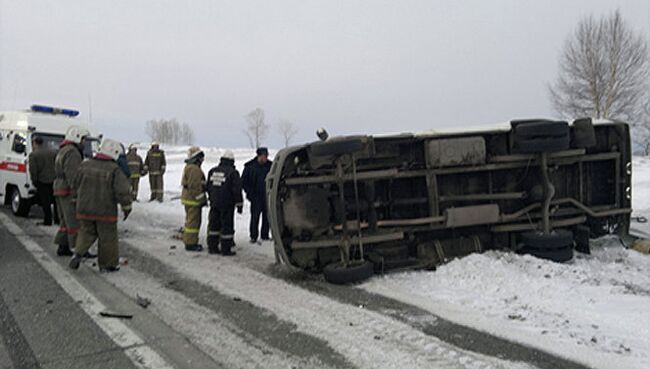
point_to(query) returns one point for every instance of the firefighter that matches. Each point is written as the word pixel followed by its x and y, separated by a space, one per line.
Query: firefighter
pixel 136 167
pixel 253 178
pixel 41 171
pixel 154 164
pixel 66 164
pixel 100 185
pixel 193 198
pixel 224 191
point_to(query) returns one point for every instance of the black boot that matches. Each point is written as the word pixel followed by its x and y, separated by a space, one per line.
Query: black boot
pixel 196 248
pixel 64 250
pixel 213 244
pixel 213 249
pixel 226 248
pixel 75 261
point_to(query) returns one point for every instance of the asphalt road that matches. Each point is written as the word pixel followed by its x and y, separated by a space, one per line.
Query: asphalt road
pixel 43 326
pixel 40 324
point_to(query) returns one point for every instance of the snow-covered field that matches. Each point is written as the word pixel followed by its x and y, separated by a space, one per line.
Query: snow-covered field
pixel 593 310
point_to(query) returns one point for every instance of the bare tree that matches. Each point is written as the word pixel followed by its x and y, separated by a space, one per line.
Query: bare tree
pixel 287 130
pixel 169 131
pixel 641 130
pixel 603 71
pixel 256 128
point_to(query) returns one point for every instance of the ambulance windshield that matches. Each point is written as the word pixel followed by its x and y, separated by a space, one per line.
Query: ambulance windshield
pixel 50 141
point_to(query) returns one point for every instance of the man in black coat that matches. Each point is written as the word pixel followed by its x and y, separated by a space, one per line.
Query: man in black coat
pixel 224 191
pixel 253 178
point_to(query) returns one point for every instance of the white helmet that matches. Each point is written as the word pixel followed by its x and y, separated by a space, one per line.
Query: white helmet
pixel 76 134
pixel 228 154
pixel 155 143
pixel 133 146
pixel 111 148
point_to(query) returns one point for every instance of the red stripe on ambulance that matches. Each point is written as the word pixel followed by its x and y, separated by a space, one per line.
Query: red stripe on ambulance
pixel 13 167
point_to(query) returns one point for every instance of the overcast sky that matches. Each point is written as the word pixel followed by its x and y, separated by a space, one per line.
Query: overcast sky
pixel 350 66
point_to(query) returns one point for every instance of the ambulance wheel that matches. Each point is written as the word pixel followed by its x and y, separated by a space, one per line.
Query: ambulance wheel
pixel 19 206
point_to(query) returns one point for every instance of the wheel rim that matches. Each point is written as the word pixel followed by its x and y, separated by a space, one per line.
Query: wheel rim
pixel 15 201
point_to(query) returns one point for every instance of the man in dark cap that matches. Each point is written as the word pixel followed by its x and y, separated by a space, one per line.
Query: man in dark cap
pixel 253 178
pixel 41 171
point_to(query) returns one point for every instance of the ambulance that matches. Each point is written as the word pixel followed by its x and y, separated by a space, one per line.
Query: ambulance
pixel 17 130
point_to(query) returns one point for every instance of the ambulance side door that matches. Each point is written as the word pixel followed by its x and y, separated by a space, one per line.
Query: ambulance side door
pixel 13 164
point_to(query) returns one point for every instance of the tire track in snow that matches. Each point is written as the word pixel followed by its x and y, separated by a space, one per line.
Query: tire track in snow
pixel 209 330
pixel 367 339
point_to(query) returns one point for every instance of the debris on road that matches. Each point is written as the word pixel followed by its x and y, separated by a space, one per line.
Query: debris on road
pixel 112 314
pixel 142 301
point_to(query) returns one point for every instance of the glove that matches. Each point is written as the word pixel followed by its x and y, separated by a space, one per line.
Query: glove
pixel 126 213
pixel 240 209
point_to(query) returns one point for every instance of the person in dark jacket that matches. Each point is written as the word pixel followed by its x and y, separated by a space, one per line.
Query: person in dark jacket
pixel 253 178
pixel 224 192
pixel 41 171
pixel 123 163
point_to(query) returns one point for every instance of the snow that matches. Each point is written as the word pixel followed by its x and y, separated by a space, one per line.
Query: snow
pixel 592 310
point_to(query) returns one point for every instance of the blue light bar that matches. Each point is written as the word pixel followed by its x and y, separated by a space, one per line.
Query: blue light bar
pixel 53 110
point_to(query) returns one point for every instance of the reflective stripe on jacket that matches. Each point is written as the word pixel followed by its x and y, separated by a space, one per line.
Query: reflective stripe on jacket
pixel 193 183
pixel 155 162
pixel 136 166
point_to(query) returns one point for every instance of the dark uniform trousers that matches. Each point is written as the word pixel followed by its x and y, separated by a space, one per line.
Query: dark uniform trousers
pixel 221 228
pixel 46 201
pixel 258 209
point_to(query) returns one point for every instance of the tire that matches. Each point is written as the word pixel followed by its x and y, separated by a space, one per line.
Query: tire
pixel 337 274
pixel 337 147
pixel 557 246
pixel 540 128
pixel 540 136
pixel 19 206
pixel 558 255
